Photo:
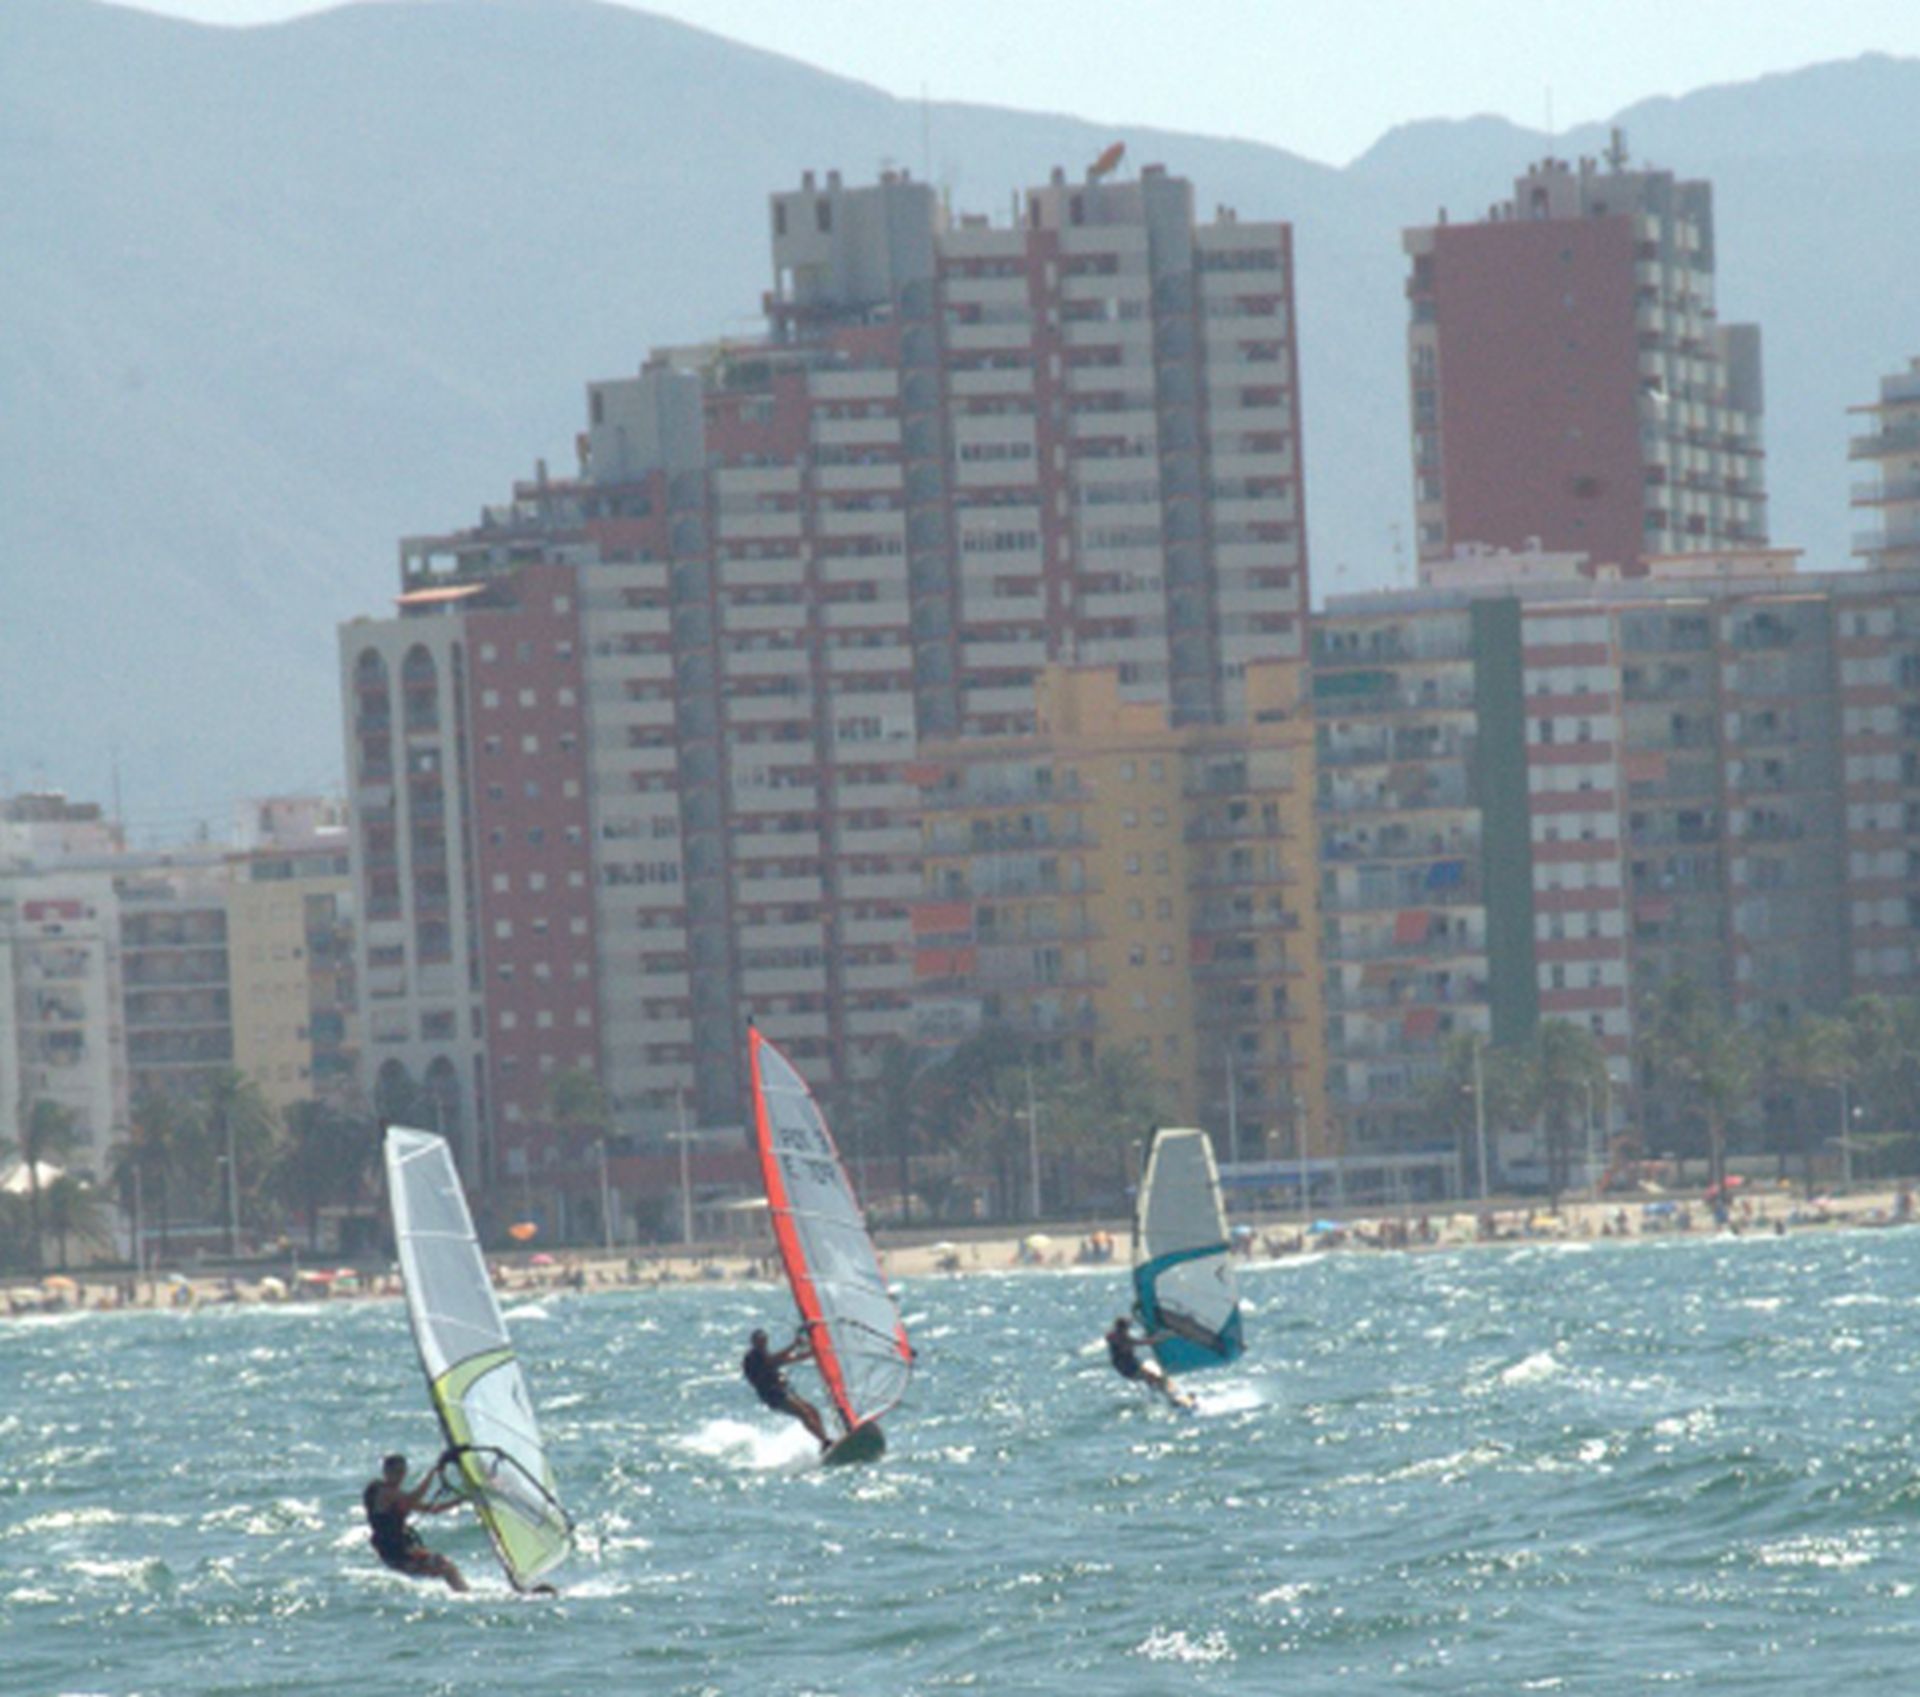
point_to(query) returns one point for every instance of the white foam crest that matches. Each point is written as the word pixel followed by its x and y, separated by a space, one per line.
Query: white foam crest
pixel 753 1449
pixel 527 1311
pixel 1543 1364
pixel 67 1520
pixel 1160 1645
pixel 1227 1399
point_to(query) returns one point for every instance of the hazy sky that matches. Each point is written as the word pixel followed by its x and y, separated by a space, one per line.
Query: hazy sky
pixel 1324 78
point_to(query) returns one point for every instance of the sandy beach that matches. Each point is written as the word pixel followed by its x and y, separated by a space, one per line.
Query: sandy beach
pixel 957 1251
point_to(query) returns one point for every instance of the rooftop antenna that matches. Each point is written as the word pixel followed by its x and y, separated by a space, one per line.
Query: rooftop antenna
pixel 1616 154
pixel 1550 130
pixel 926 136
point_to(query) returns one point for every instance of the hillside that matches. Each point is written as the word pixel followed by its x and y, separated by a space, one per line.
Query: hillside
pixel 276 296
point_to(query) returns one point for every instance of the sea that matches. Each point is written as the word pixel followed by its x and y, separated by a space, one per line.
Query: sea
pixel 1576 1468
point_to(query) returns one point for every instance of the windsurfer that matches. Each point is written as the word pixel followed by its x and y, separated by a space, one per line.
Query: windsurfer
pixel 762 1369
pixel 389 1504
pixel 1123 1350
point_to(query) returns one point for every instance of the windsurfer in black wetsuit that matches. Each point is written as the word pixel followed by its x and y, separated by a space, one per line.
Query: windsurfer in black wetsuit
pixel 1123 1350
pixel 762 1368
pixel 389 1503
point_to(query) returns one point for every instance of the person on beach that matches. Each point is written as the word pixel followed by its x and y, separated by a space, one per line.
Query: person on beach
pixel 1123 1351
pixel 762 1369
pixel 389 1504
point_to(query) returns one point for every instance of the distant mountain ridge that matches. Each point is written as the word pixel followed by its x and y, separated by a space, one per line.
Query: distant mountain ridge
pixel 276 296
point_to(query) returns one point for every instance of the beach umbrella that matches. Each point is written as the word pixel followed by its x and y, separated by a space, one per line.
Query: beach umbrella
pixel 270 1286
pixel 543 1259
pixel 1038 1241
pixel 1324 1226
pixel 942 1248
pixel 178 1279
pixel 523 1231
pixel 59 1282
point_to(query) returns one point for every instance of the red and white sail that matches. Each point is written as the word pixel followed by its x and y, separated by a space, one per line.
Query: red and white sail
pixel 858 1341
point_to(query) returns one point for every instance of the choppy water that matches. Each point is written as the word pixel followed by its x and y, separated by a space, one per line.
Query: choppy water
pixel 1587 1469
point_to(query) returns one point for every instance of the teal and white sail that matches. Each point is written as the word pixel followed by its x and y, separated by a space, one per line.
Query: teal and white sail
pixel 473 1376
pixel 1183 1282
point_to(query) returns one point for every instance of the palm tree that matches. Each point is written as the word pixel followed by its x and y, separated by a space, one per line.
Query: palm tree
pixel 52 1131
pixel 141 1165
pixel 13 1229
pixel 1568 1068
pixel 1698 1062
pixel 1095 1119
pixel 237 1134
pixel 1809 1054
pixel 325 1159
pixel 890 1112
pixel 73 1211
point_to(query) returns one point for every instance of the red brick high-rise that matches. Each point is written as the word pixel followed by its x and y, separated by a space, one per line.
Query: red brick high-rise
pixel 1571 382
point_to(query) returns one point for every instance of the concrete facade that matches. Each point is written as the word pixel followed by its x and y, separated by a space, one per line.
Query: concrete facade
pixel 1721 781
pixel 960 453
pixel 290 950
pixel 1890 446
pixel 61 1036
pixel 1571 384
pixel 1110 880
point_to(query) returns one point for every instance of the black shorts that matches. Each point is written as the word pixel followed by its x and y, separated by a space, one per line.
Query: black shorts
pixel 778 1401
pixel 1129 1369
pixel 411 1557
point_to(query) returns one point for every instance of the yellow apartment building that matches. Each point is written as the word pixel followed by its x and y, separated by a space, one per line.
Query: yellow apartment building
pixel 1111 881
pixel 290 960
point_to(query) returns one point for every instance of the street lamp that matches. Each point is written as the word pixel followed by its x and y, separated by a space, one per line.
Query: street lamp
pixel 1849 1117
pixel 606 1198
pixel 683 1137
pixel 1033 1145
pixel 1480 1116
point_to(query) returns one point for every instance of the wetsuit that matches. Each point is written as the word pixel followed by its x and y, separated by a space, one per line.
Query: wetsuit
pixel 394 1541
pixel 1120 1349
pixel 766 1379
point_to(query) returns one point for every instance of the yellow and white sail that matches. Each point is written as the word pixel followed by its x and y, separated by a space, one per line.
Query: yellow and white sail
pixel 472 1373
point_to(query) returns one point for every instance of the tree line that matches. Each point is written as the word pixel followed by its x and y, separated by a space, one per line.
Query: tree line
pixel 218 1155
pixel 1813 1091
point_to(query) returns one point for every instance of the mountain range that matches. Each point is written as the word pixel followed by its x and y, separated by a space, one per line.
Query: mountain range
pixel 273 297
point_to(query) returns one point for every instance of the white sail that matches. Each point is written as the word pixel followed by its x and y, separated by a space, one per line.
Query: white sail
pixel 472 1373
pixel 1184 1285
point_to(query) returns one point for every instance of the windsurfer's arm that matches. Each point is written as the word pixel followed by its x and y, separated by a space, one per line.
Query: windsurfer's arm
pixel 801 1349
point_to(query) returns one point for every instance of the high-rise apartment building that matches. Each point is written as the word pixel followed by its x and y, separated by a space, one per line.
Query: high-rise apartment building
pixel 175 977
pixel 962 452
pixel 1704 776
pixel 1572 385
pixel 60 1005
pixel 1890 445
pixel 290 955
pixel 1109 880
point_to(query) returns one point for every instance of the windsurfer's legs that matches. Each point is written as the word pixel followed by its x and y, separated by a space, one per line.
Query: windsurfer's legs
pixel 444 1569
pixel 809 1417
pixel 419 1562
